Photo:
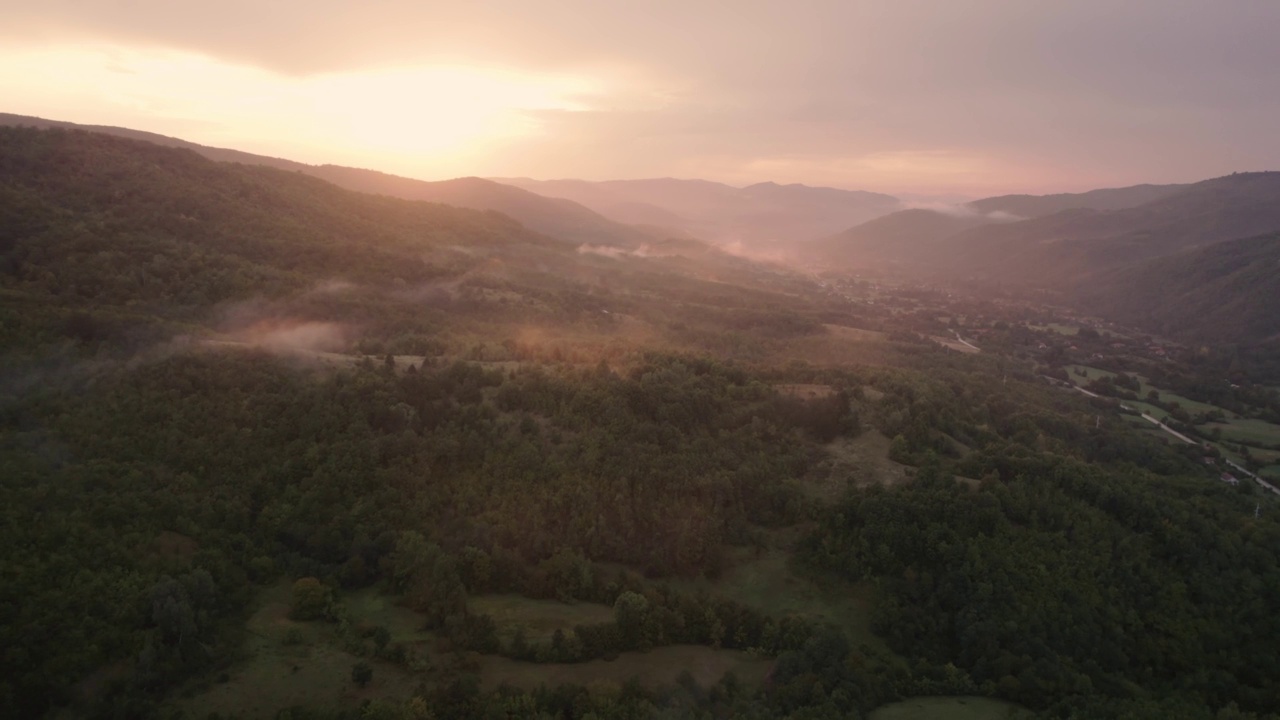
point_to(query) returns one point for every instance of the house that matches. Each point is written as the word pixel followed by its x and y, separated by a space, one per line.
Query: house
pixel 1230 479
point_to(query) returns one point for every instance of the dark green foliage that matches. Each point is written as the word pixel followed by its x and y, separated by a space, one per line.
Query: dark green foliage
pixel 249 458
pixel 1068 581
pixel 1084 568
pixel 361 673
pixel 310 599
pixel 1228 292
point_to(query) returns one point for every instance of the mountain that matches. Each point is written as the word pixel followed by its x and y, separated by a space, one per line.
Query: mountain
pixel 562 219
pixel 1225 292
pixel 1101 233
pixel 898 239
pixel 757 215
pixel 910 239
pixel 1065 247
pixel 125 242
pixel 1033 206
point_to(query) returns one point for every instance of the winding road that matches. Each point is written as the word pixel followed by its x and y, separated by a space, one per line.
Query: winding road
pixel 1265 485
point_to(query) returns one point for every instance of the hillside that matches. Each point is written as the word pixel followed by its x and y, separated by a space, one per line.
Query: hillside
pixel 1226 292
pixel 558 218
pixel 898 240
pixel 127 242
pixel 273 447
pixel 760 215
pixel 1033 206
pixel 1073 244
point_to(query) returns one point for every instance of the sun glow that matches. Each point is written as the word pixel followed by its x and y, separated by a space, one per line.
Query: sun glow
pixel 431 120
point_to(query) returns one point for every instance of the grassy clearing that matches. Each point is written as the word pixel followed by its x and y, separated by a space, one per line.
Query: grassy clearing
pixel 370 608
pixel 861 461
pixel 765 580
pixel 951 708
pixel 314 673
pixel 805 391
pixel 661 666
pixel 839 345
pixel 1249 431
pixel 1073 372
pixel 539 618
pixel 954 344
pixel 1191 406
pixel 1144 387
pixel 1057 328
pixel 866 459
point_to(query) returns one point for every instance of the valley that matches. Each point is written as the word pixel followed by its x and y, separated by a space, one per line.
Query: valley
pixel 296 448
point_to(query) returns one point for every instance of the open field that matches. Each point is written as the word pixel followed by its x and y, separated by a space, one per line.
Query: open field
pixel 539 618
pixel 805 391
pixel 954 344
pixel 766 581
pixel 660 666
pixel 1056 327
pixel 866 459
pixel 839 345
pixel 950 708
pixel 1144 387
pixel 369 607
pixel 1249 431
pixel 315 672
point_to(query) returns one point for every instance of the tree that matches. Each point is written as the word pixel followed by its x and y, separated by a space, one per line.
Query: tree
pixel 630 611
pixel 381 636
pixel 310 599
pixel 361 673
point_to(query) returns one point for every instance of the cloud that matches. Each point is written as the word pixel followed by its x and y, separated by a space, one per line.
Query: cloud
pixel 999 95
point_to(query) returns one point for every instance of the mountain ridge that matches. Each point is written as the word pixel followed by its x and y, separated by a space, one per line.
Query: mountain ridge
pixel 566 221
pixel 760 214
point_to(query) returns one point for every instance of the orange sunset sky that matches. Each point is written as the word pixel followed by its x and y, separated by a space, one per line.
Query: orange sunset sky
pixel 946 97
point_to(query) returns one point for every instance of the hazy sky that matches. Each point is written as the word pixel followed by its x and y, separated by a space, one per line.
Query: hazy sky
pixel 947 96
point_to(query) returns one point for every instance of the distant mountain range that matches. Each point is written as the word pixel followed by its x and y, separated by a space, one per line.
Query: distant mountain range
pixel 895 241
pixel 919 239
pixel 1033 206
pixel 1070 246
pixel 561 219
pixel 761 215
pixel 1196 261
pixel 624 213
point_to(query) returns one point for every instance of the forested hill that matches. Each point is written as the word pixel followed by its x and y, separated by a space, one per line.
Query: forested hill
pixel 900 240
pixel 556 217
pixel 658 452
pixel 1032 206
pixel 764 215
pixel 918 240
pixel 122 242
pixel 1127 250
pixel 130 233
pixel 1222 293
pixel 1065 247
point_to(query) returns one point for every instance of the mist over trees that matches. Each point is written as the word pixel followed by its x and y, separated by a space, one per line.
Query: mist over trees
pixel 481 412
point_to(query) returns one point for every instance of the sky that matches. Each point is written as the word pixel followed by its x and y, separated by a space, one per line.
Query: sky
pixel 947 97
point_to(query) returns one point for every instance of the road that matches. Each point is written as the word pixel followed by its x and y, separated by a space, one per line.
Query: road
pixel 965 342
pixel 1263 483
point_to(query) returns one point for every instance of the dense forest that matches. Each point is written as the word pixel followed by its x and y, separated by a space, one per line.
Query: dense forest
pixel 1220 294
pixel 160 471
